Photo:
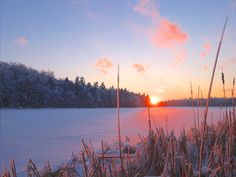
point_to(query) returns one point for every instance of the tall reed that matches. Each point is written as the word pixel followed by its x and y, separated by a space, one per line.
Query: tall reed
pixel 198 106
pixel 194 116
pixel 118 118
pixel 223 84
pixel 233 104
pixel 208 99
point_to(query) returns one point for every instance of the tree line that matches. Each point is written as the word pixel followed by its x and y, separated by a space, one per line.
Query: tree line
pixel 25 87
pixel 214 101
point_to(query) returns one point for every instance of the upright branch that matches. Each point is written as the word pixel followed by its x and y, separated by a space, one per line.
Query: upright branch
pixel 194 117
pixel 149 119
pixel 198 105
pixel 118 118
pixel 208 98
pixel 167 124
pixel 223 83
pixel 233 104
pixel 13 168
pixel 148 109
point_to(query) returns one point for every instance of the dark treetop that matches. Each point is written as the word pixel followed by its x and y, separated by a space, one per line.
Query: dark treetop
pixel 23 87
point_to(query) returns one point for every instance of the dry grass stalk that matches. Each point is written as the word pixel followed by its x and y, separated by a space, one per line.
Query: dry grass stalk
pixel 149 119
pixel 118 117
pixel 198 106
pixel 194 116
pixel 84 165
pixel 147 102
pixel 233 104
pixel 32 169
pixel 223 84
pixel 207 102
pixel 13 168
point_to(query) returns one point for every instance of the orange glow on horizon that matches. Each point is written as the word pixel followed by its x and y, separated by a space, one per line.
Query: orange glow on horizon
pixel 154 100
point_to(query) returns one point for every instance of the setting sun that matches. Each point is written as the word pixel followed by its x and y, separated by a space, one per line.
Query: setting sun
pixel 154 100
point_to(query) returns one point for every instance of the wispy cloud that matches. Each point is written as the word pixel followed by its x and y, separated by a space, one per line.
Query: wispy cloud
pixel 147 8
pixel 21 41
pixel 104 65
pixel 168 33
pixel 139 67
pixel 206 50
pixel 164 32
pixel 179 57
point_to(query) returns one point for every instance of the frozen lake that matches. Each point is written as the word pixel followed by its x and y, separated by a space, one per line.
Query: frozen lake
pixel 53 134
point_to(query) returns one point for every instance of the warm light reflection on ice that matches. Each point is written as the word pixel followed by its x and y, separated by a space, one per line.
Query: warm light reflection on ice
pixel 53 134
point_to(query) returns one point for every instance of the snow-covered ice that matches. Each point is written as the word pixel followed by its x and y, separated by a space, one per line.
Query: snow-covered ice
pixel 53 134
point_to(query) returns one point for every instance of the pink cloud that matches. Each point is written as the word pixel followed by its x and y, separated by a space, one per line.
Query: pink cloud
pixel 139 68
pixel 206 50
pixel 168 34
pixel 179 57
pixel 21 41
pixel 164 32
pixel 147 8
pixel 104 64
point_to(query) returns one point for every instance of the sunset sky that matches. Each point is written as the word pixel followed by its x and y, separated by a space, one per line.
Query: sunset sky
pixel 160 45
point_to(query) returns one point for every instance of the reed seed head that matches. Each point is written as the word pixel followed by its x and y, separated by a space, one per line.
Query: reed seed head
pixel 223 78
pixel 234 81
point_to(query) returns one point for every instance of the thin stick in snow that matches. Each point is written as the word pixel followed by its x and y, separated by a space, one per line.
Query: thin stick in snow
pixel 118 118
pixel 233 104
pixel 223 84
pixel 198 105
pixel 194 116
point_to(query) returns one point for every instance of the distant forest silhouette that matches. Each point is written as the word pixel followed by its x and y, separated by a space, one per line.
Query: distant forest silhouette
pixel 25 87
pixel 214 101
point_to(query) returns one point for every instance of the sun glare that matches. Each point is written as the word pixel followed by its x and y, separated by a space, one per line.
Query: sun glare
pixel 154 100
